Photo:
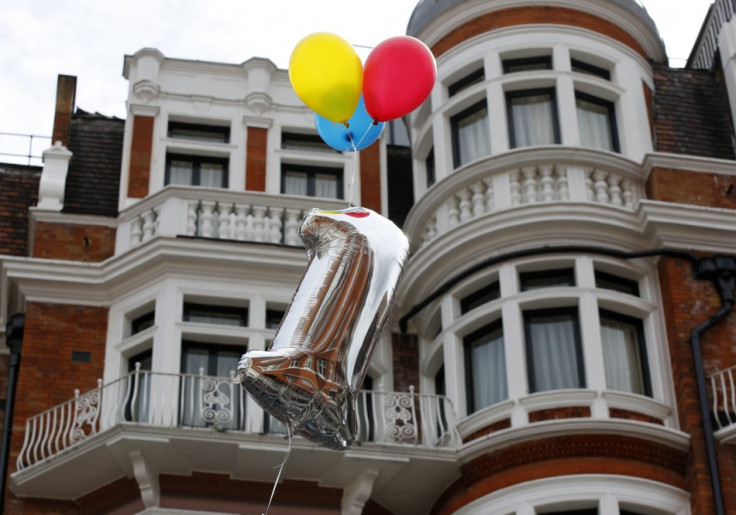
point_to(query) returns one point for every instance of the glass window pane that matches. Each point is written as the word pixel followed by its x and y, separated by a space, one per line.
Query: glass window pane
pixel 546 279
pixel 554 357
pixel 622 355
pixel 199 132
pixel 486 367
pixel 223 315
pixel 472 136
pixel 429 168
pixel 325 185
pixel 295 183
pixel 211 175
pixel 615 283
pixel 533 120
pixel 594 125
pixel 181 172
pixel 227 362
pixel 478 298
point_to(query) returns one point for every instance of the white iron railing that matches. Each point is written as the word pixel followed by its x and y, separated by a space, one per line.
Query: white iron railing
pixel 723 393
pixel 216 214
pixel 205 402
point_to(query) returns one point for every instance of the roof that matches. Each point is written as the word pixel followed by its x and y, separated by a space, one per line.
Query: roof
pixel 689 114
pixel 93 180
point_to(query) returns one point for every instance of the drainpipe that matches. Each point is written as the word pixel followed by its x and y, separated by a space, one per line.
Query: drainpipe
pixel 14 340
pixel 722 271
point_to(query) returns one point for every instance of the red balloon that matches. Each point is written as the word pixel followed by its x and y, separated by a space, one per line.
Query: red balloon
pixel 398 76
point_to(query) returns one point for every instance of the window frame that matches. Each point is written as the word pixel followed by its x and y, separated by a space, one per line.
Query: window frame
pixel 628 286
pixel 564 273
pixel 611 108
pixel 313 143
pixel 455 132
pixel 197 161
pixel 544 60
pixel 215 309
pixel 574 313
pixel 475 77
pixel 216 130
pixel 311 172
pixel 580 66
pixel 470 341
pixel 523 93
pixel 479 297
pixel 638 326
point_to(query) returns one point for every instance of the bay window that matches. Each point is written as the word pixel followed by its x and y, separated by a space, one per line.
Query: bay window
pixel 596 122
pixel 532 117
pixel 470 135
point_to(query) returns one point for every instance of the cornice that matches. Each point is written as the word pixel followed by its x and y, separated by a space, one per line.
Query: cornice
pixel 688 163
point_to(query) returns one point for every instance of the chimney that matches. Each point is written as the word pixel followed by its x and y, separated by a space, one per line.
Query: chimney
pixel 66 90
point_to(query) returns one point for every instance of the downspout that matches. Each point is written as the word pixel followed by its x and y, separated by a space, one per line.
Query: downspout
pixel 14 340
pixel 722 271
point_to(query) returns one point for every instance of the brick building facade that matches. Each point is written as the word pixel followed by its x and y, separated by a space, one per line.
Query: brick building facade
pixel 563 339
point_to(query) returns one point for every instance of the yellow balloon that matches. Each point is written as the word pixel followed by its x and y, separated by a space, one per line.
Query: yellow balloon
pixel 327 75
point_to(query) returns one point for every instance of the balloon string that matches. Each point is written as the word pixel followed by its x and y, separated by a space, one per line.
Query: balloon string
pixel 281 469
pixel 355 149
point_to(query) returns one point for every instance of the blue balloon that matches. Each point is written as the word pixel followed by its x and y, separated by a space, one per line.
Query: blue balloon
pixel 360 132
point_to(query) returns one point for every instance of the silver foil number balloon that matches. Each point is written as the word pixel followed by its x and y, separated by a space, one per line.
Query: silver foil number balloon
pixel 312 373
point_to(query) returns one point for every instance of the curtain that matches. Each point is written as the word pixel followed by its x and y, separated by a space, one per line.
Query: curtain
pixel 488 363
pixel 474 141
pixel 594 125
pixel 533 120
pixel 554 356
pixel 325 185
pixel 211 175
pixel 621 356
pixel 295 183
pixel 180 172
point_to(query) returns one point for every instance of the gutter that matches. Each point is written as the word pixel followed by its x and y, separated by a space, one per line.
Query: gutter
pixel 14 340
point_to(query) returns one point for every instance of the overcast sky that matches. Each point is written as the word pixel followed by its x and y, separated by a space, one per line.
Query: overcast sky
pixel 40 39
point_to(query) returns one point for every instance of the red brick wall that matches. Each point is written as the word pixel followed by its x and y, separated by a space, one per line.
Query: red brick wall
pixel 532 15
pixel 698 188
pixel 18 192
pixel 405 349
pixel 687 303
pixel 255 161
pixel 48 376
pixel 370 177
pixel 141 147
pixel 74 242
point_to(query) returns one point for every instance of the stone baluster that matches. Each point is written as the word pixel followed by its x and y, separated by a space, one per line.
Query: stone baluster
pixel 453 213
pixel 490 200
pixel 515 188
pixel 149 226
pixel 479 201
pixel 430 230
pixel 627 193
pixel 259 215
pixel 274 224
pixel 547 183
pixel 192 218
pixel 563 188
pixel 207 228
pixel 223 229
pixel 589 190
pixel 136 231
pixel 464 197
pixel 293 216
pixel 601 186
pixel 241 221
pixel 614 189
pixel 530 185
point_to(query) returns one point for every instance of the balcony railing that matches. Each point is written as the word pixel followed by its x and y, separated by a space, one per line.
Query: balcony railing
pixel 522 178
pixel 723 394
pixel 217 214
pixel 198 401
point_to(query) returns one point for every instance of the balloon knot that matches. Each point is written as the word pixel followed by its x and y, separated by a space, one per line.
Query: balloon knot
pixel 347 125
pixel 375 122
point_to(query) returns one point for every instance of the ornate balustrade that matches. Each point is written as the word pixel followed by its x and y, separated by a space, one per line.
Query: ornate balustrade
pixel 534 176
pixel 218 214
pixel 197 402
pixel 723 398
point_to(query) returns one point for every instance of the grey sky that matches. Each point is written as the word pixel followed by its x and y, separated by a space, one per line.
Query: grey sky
pixel 41 39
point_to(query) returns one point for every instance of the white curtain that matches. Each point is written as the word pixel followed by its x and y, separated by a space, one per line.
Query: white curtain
pixel 489 370
pixel 554 354
pixel 474 141
pixel 295 183
pixel 210 175
pixel 533 120
pixel 594 125
pixel 325 185
pixel 621 356
pixel 180 172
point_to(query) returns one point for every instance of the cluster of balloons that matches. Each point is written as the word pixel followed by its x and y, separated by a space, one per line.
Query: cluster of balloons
pixel 352 102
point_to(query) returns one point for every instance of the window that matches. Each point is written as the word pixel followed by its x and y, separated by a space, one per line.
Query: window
pixel 470 136
pixel 615 283
pixel 547 279
pixel 596 122
pixel 532 117
pixel 311 182
pixel 526 64
pixel 199 132
pixel 624 353
pixel 186 170
pixel 476 299
pixel 429 167
pixel 273 318
pixel 299 141
pixel 139 387
pixel 554 352
pixel 485 367
pixel 223 315
pixel 397 133
pixel 142 322
pixel 471 79
pixel 589 69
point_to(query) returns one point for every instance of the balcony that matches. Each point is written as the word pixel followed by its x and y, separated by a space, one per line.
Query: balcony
pixel 723 397
pixel 526 177
pixel 180 423
pixel 178 211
